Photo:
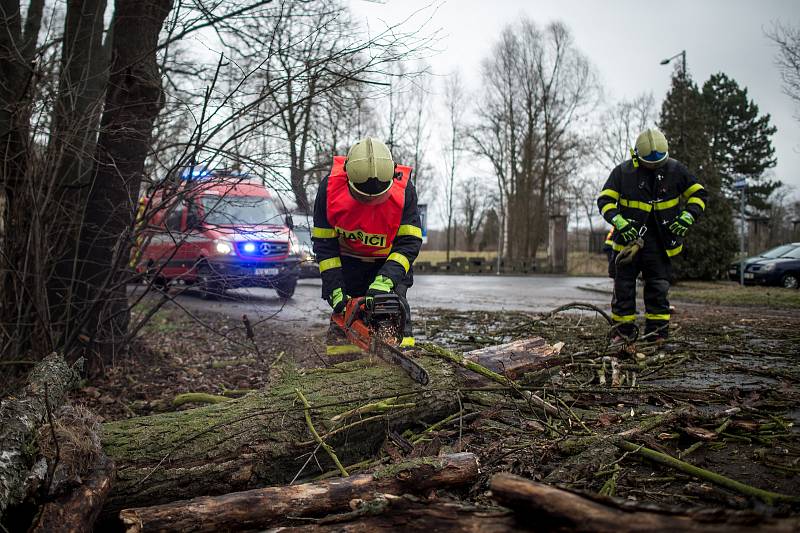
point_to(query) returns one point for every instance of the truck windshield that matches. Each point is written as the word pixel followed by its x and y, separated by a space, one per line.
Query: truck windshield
pixel 240 211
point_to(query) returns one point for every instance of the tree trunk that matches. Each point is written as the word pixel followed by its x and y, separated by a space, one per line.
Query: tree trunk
pixel 553 509
pixel 406 514
pixel 70 157
pixel 134 99
pixel 77 511
pixel 21 416
pixel 262 507
pixel 263 439
pixel 18 314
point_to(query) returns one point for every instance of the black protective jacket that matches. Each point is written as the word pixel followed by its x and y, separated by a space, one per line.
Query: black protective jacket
pixel 652 197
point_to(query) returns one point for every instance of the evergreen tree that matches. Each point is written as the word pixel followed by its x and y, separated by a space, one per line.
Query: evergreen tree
pixel 741 140
pixel 711 243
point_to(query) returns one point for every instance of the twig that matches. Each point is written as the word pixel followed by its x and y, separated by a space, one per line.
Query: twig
pixel 49 412
pixel 374 407
pixel 460 420
pixel 610 486
pixel 313 430
pixel 576 305
pixel 766 496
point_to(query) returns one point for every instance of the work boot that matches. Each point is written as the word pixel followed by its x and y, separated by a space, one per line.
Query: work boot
pixel 338 347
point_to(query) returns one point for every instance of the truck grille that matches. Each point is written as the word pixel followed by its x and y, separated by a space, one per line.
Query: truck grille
pixel 262 248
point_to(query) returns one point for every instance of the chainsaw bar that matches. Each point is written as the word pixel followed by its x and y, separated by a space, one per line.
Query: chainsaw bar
pixel 393 355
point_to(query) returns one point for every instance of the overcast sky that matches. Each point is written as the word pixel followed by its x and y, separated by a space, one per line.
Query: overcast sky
pixel 626 40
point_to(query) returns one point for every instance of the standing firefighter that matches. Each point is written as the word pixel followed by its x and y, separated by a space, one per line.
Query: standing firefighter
pixel 366 231
pixel 657 199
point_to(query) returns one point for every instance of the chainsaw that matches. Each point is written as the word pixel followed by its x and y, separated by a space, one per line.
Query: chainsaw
pixel 378 330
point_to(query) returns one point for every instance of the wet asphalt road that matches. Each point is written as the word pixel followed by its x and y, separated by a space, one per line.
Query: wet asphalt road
pixel 462 293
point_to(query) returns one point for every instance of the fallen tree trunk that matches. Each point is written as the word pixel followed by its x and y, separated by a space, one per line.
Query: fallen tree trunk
pixel 405 514
pixel 77 511
pixel 553 509
pixel 262 507
pixel 264 438
pixel 20 416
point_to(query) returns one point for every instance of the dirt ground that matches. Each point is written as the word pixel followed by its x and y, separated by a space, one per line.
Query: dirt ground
pixel 727 386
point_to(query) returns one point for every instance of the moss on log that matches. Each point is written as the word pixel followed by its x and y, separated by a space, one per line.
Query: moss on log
pixel 262 438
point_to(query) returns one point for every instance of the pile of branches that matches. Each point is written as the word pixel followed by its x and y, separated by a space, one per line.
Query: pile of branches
pixel 357 446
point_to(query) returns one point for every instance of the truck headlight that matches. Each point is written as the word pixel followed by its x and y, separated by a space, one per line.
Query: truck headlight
pixel 223 247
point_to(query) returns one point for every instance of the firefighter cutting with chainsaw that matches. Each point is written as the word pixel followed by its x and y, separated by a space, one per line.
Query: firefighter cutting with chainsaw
pixel 366 236
pixel 652 201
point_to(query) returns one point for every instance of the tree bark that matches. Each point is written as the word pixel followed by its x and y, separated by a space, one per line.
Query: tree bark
pixel 263 438
pixel 77 511
pixel 133 100
pixel 262 507
pixel 20 417
pixel 73 135
pixel 553 509
pixel 17 71
pixel 404 514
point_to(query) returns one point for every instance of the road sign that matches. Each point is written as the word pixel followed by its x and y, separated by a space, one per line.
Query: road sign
pixel 423 216
pixel 740 183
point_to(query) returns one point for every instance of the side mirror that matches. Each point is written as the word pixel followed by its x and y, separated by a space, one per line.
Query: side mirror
pixel 289 222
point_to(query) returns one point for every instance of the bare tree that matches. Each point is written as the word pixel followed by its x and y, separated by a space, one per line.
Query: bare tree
pixel 538 88
pixel 473 210
pixel 304 54
pixel 454 102
pixel 406 118
pixel 787 39
pixel 619 126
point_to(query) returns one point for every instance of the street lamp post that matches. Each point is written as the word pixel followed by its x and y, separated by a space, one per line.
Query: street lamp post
pixel 682 55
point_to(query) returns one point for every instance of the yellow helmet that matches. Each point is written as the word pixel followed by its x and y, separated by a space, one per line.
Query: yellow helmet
pixel 370 170
pixel 652 148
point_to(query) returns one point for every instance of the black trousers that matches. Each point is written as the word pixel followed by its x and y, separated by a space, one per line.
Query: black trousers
pixel 656 269
pixel 359 275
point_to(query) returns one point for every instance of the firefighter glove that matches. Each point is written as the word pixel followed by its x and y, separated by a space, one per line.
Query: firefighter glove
pixel 681 224
pixel 381 285
pixel 625 228
pixel 337 300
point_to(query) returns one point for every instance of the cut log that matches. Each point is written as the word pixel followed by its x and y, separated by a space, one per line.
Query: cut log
pixel 515 358
pixel 262 507
pixel 77 511
pixel 405 514
pixel 20 416
pixel 553 509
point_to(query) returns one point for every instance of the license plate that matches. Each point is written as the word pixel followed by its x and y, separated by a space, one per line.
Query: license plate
pixel 266 272
pixel 748 275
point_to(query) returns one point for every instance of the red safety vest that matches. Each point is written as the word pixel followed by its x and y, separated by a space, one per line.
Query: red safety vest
pixel 365 231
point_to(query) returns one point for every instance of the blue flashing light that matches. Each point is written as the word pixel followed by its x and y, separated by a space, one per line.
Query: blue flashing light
pixel 195 172
pixel 249 247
